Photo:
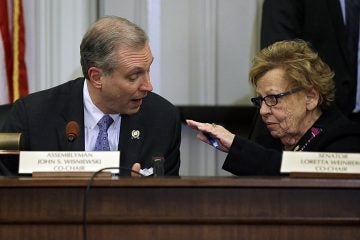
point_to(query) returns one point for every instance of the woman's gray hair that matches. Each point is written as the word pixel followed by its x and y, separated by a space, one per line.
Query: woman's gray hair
pixel 99 46
pixel 303 68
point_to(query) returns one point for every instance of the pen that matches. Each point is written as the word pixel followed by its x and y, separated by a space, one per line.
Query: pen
pixel 211 140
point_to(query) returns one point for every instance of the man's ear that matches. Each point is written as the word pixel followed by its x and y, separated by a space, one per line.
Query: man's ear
pixel 312 99
pixel 95 77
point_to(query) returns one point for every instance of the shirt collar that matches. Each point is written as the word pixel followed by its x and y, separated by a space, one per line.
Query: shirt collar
pixel 93 114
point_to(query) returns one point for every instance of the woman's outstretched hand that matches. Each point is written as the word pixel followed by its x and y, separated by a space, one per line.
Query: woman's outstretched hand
pixel 221 135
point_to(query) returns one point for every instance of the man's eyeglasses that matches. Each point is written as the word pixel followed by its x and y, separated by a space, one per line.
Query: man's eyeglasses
pixel 272 100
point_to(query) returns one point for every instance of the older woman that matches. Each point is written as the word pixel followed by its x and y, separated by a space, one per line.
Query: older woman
pixel 295 92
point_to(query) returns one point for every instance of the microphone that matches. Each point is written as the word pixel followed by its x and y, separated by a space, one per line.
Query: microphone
pixel 158 163
pixel 72 131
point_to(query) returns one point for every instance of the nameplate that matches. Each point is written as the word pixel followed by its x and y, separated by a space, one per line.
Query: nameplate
pixel 320 162
pixel 74 161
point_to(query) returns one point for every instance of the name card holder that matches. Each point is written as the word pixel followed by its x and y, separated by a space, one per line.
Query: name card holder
pixel 105 174
pixel 324 175
pixel 321 165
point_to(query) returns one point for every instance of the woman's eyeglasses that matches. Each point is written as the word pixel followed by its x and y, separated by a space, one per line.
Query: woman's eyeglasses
pixel 272 100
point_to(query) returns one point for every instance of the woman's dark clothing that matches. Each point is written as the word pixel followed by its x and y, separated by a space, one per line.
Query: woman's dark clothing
pixel 263 157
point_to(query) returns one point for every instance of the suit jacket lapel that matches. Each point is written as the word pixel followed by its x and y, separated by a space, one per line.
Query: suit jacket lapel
pixel 131 140
pixel 73 111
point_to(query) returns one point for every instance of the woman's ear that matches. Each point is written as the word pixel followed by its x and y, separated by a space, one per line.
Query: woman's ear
pixel 95 77
pixel 312 99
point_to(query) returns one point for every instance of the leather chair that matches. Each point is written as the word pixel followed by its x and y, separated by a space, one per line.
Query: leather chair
pixel 4 171
pixel 8 141
pixel 4 111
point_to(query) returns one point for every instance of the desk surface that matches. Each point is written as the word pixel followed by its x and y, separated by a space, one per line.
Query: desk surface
pixel 197 182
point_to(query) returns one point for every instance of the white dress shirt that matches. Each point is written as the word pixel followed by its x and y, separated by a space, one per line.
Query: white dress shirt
pixel 92 115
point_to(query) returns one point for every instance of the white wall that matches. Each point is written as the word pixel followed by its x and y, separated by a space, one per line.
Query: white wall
pixel 202 51
pixel 54 31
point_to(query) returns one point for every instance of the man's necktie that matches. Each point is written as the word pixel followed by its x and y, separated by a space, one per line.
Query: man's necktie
pixel 102 141
pixel 352 8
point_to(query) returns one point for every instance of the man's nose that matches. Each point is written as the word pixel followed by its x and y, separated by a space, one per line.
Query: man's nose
pixel 146 85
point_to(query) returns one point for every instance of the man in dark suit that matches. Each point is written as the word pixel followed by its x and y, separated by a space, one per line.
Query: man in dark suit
pixel 116 60
pixel 321 23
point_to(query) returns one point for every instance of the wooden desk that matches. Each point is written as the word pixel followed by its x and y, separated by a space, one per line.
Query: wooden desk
pixel 186 208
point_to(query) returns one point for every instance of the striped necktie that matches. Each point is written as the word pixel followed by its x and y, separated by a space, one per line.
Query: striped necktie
pixel 102 141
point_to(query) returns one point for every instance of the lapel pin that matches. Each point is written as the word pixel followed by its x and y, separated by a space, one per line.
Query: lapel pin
pixel 135 134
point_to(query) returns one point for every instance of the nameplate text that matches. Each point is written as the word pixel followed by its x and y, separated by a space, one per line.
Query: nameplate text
pixel 74 161
pixel 320 162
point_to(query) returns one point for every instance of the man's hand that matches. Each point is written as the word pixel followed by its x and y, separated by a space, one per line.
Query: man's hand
pixel 136 168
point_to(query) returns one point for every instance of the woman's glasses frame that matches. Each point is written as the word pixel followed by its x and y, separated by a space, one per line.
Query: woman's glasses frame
pixel 273 99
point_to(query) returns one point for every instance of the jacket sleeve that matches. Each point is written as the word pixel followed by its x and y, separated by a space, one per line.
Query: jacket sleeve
pixel 246 157
pixel 172 158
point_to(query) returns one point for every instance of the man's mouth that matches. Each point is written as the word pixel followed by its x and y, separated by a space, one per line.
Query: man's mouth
pixel 136 101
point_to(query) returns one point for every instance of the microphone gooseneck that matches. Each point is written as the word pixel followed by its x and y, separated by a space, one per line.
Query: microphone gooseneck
pixel 72 131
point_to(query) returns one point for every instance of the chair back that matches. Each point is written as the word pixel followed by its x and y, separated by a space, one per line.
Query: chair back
pixel 4 112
